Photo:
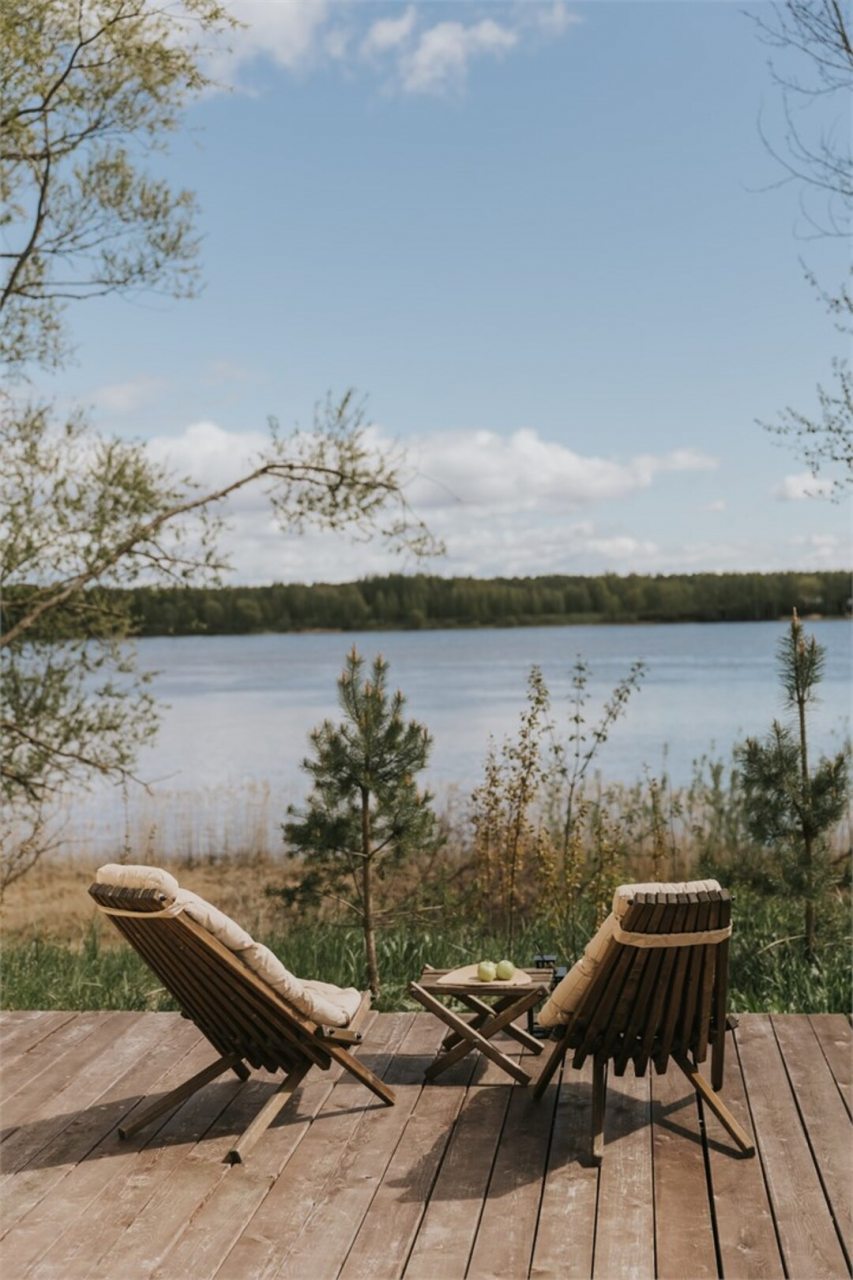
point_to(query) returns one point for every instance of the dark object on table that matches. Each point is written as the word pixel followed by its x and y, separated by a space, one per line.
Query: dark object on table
pixel 560 971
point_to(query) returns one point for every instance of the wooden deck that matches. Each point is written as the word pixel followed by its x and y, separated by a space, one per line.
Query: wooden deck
pixel 465 1177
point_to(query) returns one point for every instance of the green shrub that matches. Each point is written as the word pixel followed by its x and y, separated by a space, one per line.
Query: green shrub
pixel 769 972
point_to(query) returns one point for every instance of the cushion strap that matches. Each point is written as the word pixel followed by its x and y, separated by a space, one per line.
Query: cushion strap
pixel 705 938
pixel 173 909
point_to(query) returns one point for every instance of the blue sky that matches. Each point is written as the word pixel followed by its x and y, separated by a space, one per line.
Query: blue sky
pixel 549 244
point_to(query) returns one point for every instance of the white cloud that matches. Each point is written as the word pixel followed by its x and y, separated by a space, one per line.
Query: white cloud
pixel 418 55
pixel 337 44
pixel 212 457
pixel 124 397
pixel 623 549
pixel 517 472
pixel 556 18
pixel 441 56
pixel 389 33
pixel 795 488
pixel 225 370
pixel 502 504
pixel 719 504
pixel 288 31
pixel 823 550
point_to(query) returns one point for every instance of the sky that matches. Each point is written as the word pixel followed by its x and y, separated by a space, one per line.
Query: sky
pixel 548 244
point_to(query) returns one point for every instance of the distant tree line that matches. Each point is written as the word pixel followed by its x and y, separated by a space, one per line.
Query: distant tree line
pixel 400 601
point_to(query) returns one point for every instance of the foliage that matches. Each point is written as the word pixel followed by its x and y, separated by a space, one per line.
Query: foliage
pixel 812 67
pixel 83 514
pixel 587 843
pixel 90 89
pixel 824 442
pixel 414 601
pixel 813 58
pixel 769 972
pixel 543 841
pixel 365 814
pixel 509 837
pixel 680 833
pixel 568 800
pixel 791 804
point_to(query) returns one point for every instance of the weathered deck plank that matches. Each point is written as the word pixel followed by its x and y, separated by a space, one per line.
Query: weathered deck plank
pixel 449 1225
pixel 824 1117
pixel 22 1192
pixel 125 1175
pixel 275 1228
pixel 143 1248
pixel 568 1208
pixel 749 1248
pixel 625 1238
pixel 321 1247
pixel 61 1193
pixel 807 1234
pixel 507 1230
pixel 56 1057
pixel 74 1082
pixel 217 1226
pixel 389 1228
pixel 835 1035
pixel 464 1177
pixel 684 1239
pixel 22 1031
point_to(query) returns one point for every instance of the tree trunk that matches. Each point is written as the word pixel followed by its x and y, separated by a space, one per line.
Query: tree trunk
pixel 808 852
pixel 367 896
pixel 810 928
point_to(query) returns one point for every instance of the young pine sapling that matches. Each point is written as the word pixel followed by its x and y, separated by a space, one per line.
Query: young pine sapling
pixel 790 803
pixel 365 813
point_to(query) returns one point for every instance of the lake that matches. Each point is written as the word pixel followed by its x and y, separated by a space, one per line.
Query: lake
pixel 238 709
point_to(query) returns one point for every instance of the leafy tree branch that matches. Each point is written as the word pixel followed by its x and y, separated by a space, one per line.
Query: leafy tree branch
pixel 90 88
pixel 812 67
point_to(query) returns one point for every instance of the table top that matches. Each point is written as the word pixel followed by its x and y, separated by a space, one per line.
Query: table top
pixel 536 979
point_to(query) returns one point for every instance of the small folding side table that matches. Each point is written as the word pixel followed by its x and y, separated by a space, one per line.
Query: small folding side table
pixel 509 1000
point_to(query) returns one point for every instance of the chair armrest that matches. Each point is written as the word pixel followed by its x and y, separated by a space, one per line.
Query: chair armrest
pixel 350 1034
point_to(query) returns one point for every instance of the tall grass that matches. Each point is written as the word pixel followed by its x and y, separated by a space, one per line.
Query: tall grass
pixel 161 825
pixel 769 971
pixel 437 911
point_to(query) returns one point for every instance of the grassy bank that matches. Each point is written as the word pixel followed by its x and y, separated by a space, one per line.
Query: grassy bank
pixel 768 969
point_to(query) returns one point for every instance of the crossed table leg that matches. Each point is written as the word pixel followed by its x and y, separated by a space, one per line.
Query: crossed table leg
pixel 488 1020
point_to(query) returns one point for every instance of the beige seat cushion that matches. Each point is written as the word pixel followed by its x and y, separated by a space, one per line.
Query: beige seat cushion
pixel 324 1003
pixel 134 876
pixel 564 1000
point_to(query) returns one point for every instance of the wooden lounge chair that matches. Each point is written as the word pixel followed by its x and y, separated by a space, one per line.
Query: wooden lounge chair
pixel 650 986
pixel 221 989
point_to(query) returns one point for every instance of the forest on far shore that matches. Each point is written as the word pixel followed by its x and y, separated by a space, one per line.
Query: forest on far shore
pixel 400 601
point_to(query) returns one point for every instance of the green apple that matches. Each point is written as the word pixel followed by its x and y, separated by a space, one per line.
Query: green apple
pixel 487 971
pixel 505 969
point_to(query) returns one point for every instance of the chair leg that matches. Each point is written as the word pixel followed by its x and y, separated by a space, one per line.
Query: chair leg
pixel 717 1046
pixel 715 1102
pixel 599 1099
pixel 551 1063
pixel 360 1071
pixel 229 1062
pixel 267 1114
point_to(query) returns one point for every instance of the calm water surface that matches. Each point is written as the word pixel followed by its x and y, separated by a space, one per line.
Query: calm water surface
pixel 239 709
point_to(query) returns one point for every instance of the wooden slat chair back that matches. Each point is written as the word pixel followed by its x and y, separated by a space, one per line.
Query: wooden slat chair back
pixel 649 1003
pixel 242 1017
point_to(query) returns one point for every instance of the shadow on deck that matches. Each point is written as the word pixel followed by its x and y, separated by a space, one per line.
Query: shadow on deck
pixel 469 1176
